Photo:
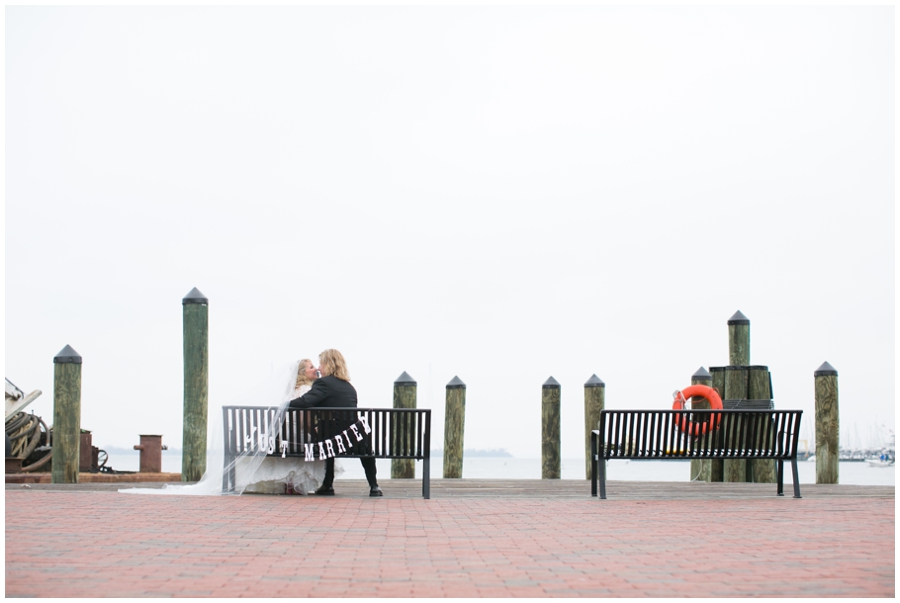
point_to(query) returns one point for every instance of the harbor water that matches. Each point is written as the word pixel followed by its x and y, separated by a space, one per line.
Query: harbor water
pixel 852 473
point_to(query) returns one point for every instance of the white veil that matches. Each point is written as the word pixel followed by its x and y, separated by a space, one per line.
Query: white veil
pixel 276 391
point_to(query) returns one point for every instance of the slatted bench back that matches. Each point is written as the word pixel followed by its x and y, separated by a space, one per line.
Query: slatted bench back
pixel 396 433
pixel 644 434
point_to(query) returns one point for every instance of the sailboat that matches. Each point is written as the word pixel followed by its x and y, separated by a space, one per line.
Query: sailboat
pixel 886 458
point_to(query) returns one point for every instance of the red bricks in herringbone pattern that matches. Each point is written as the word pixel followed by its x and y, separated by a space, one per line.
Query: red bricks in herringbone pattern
pixel 91 544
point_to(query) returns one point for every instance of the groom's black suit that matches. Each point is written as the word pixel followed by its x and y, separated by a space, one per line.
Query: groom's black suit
pixel 331 392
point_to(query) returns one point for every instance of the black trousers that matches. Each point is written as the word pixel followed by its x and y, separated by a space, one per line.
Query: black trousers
pixel 368 464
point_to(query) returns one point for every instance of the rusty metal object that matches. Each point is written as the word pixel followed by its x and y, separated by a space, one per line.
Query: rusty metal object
pixel 84 452
pixel 151 448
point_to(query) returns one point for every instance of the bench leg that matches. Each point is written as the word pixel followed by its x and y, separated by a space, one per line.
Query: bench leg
pixel 426 478
pixel 593 464
pixel 601 469
pixel 227 479
pixel 780 472
pixel 796 477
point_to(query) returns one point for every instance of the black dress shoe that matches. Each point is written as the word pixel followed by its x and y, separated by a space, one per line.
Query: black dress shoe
pixel 375 491
pixel 323 491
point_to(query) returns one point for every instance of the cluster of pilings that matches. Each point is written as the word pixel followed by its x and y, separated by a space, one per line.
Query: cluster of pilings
pixel 740 384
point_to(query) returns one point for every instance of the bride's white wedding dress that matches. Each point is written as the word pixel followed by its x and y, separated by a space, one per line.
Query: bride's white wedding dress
pixel 254 471
pixel 290 474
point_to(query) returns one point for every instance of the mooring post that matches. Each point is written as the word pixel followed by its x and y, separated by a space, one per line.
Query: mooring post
pixel 736 382
pixel 404 397
pixel 717 466
pixel 594 402
pixel 551 463
pixel 66 417
pixel 195 313
pixel 700 468
pixel 454 428
pixel 735 389
pixel 759 387
pixel 827 425
pixel 739 339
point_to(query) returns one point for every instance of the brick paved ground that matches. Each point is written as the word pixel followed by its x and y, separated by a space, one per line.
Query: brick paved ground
pixel 84 543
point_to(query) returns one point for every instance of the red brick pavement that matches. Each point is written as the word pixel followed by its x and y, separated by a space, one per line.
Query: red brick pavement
pixel 92 544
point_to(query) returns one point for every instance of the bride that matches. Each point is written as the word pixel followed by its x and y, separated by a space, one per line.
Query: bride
pixel 254 471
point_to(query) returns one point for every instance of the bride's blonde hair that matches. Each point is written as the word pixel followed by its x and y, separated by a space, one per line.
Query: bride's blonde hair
pixel 333 364
pixel 302 379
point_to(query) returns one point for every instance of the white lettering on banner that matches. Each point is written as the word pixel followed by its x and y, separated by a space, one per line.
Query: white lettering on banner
pixel 322 456
pixel 365 422
pixel 340 443
pixel 330 448
pixel 271 448
pixel 284 447
pixel 349 443
pixel 356 433
pixel 310 450
pixel 249 439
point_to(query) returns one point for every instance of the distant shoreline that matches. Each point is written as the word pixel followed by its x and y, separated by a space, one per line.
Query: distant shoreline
pixel 435 453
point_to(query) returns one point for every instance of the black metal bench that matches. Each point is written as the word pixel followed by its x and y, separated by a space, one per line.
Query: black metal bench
pixel 695 434
pixel 320 433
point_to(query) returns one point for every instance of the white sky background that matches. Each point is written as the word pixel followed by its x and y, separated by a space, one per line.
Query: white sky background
pixel 502 194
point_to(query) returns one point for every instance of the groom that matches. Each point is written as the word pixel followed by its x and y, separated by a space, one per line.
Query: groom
pixel 333 390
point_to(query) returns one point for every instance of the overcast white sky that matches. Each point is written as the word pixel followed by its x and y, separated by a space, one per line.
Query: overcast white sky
pixel 502 194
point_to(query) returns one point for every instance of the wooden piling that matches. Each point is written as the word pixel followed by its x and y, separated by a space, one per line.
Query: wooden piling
pixel 404 397
pixel 738 339
pixel 736 382
pixel 700 468
pixel 454 428
pixel 195 314
pixel 827 424
pixel 66 441
pixel 551 463
pixel 594 402
pixel 735 389
pixel 759 387
pixel 717 466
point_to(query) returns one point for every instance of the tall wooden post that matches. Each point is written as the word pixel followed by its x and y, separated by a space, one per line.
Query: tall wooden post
pixel 594 402
pixel 827 424
pixel 700 468
pixel 736 381
pixel 195 313
pixel 404 397
pixel 454 428
pixel 551 463
pixel 735 470
pixel 759 387
pixel 717 466
pixel 66 417
pixel 739 339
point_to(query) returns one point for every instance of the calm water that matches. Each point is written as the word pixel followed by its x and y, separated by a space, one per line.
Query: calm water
pixel 860 474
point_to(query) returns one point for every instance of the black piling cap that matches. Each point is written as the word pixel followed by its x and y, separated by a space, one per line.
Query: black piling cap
pixel 456 382
pixel 551 382
pixel 405 379
pixel 738 319
pixel 194 297
pixel 825 370
pixel 67 355
pixel 701 373
pixel 594 381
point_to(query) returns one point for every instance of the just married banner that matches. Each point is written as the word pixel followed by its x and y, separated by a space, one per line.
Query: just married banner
pixel 341 443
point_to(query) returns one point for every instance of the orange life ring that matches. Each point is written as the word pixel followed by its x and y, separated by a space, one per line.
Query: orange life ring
pixel 700 391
